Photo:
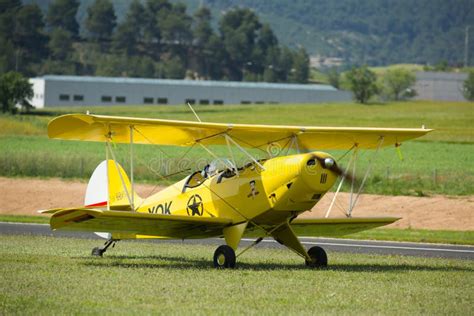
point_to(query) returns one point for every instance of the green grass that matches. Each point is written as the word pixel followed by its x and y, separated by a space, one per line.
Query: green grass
pixel 427 168
pixel 45 275
pixel 452 120
pixel 417 235
pixel 24 219
pixel 439 163
pixel 318 77
pixel 410 67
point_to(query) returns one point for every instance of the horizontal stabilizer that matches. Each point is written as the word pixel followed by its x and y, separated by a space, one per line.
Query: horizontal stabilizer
pixel 134 223
pixel 55 210
pixel 336 227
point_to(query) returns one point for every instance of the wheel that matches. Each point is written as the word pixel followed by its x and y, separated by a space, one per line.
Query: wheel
pixel 318 256
pixel 97 252
pixel 224 257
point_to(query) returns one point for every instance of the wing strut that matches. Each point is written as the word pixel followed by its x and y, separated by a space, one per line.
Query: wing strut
pixel 369 168
pixel 217 157
pixel 294 142
pixel 232 156
pixel 195 114
pixel 352 163
pixel 131 168
pixel 244 151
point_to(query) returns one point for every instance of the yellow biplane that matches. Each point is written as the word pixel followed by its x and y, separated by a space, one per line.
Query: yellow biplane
pixel 262 198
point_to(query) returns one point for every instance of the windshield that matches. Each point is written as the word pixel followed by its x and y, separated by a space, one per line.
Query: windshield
pixel 216 166
pixel 210 170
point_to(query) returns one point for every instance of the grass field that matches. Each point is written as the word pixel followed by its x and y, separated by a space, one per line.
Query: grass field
pixel 441 162
pixel 44 275
pixel 452 120
pixel 380 71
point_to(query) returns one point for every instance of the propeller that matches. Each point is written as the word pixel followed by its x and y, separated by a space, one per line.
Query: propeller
pixel 330 164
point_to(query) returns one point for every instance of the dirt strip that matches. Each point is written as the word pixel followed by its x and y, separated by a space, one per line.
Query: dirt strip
pixel 26 196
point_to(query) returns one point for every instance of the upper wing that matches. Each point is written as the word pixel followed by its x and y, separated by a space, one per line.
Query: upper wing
pixel 335 227
pixel 94 220
pixel 184 133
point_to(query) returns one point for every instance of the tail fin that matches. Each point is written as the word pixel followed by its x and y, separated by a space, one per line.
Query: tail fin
pixel 113 190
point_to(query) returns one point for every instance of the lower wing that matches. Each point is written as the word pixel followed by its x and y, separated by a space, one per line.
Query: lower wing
pixel 335 227
pixel 134 224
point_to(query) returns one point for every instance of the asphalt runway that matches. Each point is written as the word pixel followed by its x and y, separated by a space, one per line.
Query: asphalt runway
pixel 329 244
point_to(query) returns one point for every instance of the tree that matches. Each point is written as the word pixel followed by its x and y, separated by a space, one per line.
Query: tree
pixel 10 53
pixel 14 89
pixel 175 25
pixel 468 86
pixel 334 77
pixel 7 55
pixel 101 20
pixel 272 65
pixel 8 11
pixel 266 38
pixel 239 28
pixel 205 52
pixel 265 53
pixel 362 83
pixel 62 14
pixel 174 68
pixel 7 5
pixel 130 32
pixel 285 64
pixel 397 83
pixel 152 32
pixel 60 43
pixel 300 71
pixel 58 67
pixel 215 55
pixel 202 29
pixel 29 39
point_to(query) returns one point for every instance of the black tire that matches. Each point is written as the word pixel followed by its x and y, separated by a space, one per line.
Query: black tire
pixel 224 257
pixel 97 252
pixel 319 258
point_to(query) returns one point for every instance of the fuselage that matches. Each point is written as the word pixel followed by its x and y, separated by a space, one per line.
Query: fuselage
pixel 286 187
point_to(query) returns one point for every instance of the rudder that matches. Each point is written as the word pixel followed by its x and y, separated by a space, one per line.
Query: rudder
pixel 113 190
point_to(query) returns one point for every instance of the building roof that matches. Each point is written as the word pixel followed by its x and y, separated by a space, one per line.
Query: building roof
pixel 196 83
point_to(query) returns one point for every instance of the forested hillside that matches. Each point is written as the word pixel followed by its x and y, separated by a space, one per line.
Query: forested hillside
pixel 154 39
pixel 375 32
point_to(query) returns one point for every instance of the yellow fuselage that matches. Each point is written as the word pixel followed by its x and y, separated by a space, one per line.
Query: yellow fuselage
pixel 286 187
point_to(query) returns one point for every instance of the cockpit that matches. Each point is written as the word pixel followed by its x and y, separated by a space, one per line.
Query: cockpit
pixel 222 167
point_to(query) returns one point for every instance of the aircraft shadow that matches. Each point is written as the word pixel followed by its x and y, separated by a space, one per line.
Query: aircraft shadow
pixel 181 263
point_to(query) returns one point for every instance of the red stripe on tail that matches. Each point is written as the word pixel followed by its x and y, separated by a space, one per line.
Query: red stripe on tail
pixel 97 204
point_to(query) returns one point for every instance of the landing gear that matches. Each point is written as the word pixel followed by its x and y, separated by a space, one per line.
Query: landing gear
pixel 319 259
pixel 224 257
pixel 98 252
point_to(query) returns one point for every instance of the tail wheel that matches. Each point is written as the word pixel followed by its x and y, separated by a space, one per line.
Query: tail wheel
pixel 319 259
pixel 224 257
pixel 97 252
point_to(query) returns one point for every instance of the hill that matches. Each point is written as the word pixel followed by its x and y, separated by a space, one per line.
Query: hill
pixel 376 32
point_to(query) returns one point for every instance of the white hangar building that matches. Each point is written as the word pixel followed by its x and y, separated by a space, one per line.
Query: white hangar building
pixel 440 86
pixel 53 91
